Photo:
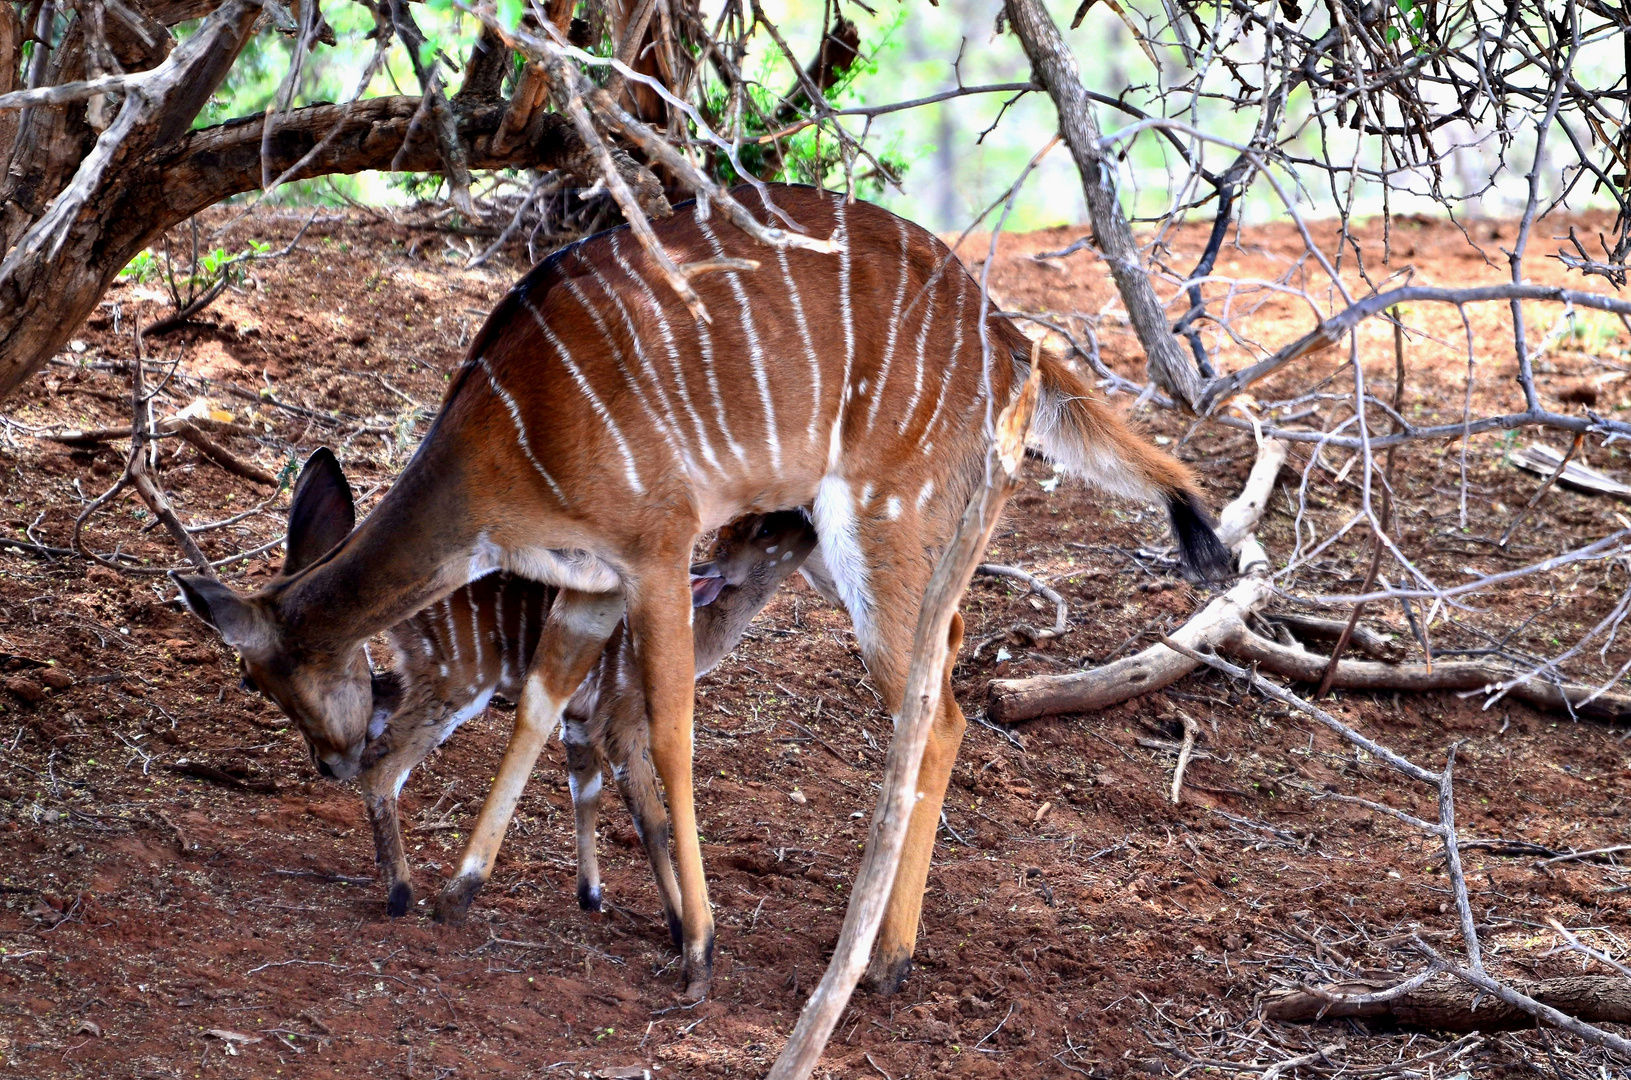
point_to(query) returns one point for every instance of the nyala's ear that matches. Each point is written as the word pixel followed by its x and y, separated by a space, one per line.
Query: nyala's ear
pixel 706 584
pixel 321 514
pixel 237 621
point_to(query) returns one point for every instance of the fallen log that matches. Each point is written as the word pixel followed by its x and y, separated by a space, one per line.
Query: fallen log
pixel 1013 700
pixel 1447 1004
pixel 1222 627
pixel 1303 666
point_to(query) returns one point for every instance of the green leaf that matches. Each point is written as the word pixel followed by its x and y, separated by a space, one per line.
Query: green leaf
pixel 1391 34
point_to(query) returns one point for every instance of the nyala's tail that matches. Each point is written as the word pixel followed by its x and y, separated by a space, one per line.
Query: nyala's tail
pixel 1080 432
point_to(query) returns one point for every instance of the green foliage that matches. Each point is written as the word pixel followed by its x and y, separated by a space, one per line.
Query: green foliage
pixel 1414 19
pixel 143 268
pixel 810 155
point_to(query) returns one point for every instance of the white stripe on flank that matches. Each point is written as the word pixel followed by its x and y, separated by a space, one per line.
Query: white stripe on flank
pixel 917 381
pixel 894 323
pixel 923 495
pixel 629 469
pixel 951 366
pixel 755 351
pixel 840 235
pixel 520 426
pixel 809 344
pixel 502 632
pixel 667 333
pixel 447 624
pixel 521 656
pixel 804 329
pixel 475 626
pixel 623 367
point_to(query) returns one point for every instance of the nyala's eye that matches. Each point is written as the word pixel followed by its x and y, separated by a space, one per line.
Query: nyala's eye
pixel 766 531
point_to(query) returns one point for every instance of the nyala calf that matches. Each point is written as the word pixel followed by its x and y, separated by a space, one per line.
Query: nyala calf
pixel 454 656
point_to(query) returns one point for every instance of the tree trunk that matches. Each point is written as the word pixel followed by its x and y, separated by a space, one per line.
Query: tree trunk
pixel 1056 68
pixel 83 206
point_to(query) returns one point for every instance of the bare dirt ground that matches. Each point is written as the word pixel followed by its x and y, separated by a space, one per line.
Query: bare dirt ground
pixel 182 896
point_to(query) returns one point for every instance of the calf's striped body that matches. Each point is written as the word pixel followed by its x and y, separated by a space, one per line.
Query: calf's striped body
pixel 597 428
pixel 478 641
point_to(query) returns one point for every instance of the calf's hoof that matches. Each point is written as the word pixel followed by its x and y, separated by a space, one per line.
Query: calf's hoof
pixel 399 900
pixel 588 896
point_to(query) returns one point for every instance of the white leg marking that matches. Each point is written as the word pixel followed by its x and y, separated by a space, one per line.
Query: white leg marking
pixel 520 427
pixel 629 469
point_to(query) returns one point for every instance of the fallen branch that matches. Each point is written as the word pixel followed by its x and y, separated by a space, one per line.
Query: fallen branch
pixel 1191 729
pixel 1013 700
pixel 1454 675
pixel 1450 1004
pixel 217 453
pixel 1061 612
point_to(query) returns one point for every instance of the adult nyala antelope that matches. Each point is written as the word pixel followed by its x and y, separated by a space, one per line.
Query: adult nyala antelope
pixel 454 656
pixel 598 427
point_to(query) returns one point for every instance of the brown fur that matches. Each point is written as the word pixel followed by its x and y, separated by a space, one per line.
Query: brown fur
pixel 451 657
pixel 597 430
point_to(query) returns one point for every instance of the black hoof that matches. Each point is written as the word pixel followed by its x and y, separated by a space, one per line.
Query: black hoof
pixel 886 977
pixel 588 896
pixel 454 902
pixel 676 933
pixel 399 900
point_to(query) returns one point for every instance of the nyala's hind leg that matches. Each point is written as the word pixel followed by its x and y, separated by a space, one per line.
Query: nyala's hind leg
pixel 585 776
pixel 637 783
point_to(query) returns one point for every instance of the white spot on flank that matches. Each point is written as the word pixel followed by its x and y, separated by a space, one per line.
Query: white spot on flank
pixel 923 496
pixel 892 508
pixel 520 426
pixel 834 514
